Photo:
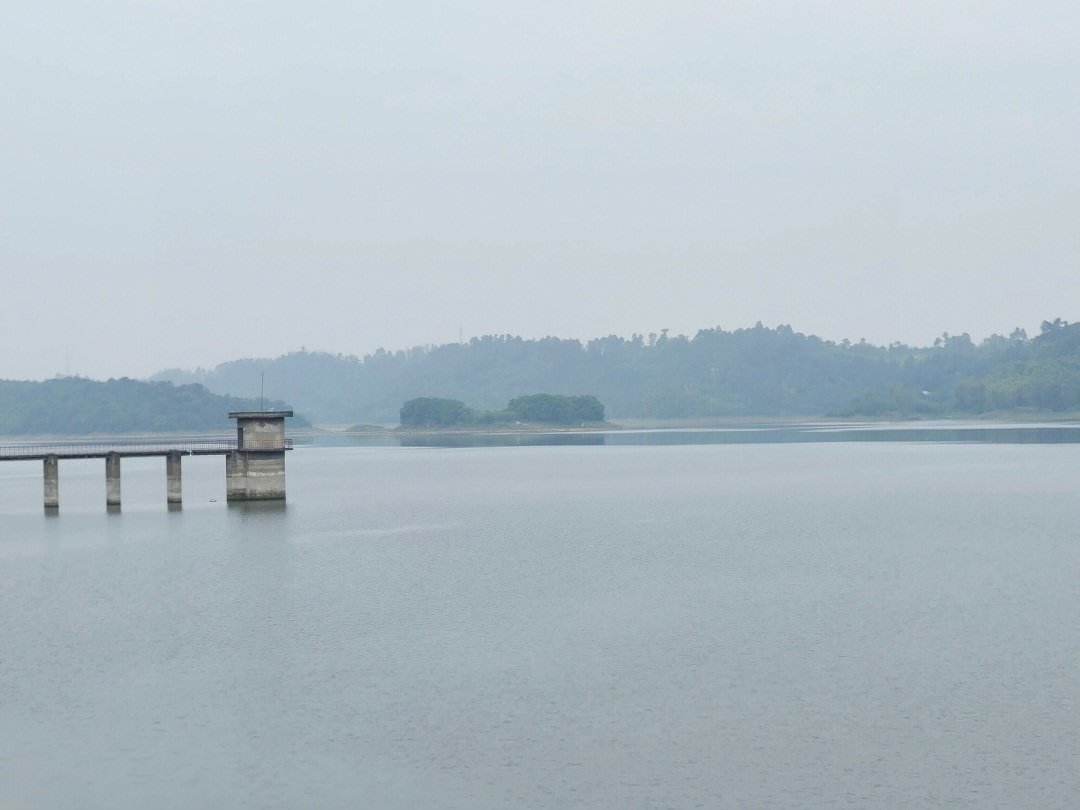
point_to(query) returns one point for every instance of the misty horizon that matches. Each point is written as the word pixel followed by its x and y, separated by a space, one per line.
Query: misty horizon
pixel 187 183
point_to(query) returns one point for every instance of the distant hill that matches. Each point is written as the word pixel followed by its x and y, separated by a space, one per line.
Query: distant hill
pixel 74 405
pixel 745 372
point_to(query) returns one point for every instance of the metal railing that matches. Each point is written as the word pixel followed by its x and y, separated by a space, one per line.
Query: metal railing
pixel 93 448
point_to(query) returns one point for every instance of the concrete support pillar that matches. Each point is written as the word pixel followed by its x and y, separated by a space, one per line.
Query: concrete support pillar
pixel 112 480
pixel 234 484
pixel 172 479
pixel 52 484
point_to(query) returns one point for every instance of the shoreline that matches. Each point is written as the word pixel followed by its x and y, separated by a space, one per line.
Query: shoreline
pixel 478 430
pixel 1007 419
pixel 638 424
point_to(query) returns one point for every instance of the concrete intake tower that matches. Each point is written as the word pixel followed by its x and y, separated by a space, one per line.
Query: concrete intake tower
pixel 255 470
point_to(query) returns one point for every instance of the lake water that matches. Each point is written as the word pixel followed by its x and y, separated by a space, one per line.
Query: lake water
pixel 631 624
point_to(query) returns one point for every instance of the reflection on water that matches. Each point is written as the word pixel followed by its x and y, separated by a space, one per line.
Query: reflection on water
pixel 250 508
pixel 503 440
pixel 749 434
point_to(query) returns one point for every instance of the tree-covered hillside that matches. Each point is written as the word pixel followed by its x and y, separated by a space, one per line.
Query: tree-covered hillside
pixel 73 405
pixel 745 372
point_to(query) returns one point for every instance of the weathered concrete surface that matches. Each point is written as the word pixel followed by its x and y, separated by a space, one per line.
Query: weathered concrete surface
pixel 255 475
pixel 52 483
pixel 260 430
pixel 112 480
pixel 233 482
pixel 173 486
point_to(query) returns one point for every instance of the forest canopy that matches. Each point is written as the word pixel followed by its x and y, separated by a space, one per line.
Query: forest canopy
pixel 555 409
pixel 543 409
pixel 74 405
pixel 758 371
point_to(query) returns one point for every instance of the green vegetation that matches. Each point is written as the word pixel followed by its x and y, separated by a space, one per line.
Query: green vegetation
pixel 543 409
pixel 746 372
pixel 73 405
pixel 553 409
pixel 434 412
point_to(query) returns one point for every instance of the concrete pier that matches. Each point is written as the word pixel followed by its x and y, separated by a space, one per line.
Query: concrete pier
pixel 174 491
pixel 52 484
pixel 255 471
pixel 112 480
pixel 254 460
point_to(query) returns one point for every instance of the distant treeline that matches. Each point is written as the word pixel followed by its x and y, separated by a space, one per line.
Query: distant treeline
pixel 745 372
pixel 546 409
pixel 73 405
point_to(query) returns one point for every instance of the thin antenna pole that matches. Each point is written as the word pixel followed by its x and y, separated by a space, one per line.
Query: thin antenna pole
pixel 262 387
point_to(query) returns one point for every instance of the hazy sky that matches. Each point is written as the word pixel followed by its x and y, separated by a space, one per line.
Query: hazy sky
pixel 183 183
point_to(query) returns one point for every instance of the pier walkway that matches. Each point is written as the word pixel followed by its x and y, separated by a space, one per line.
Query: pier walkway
pixel 254 460
pixel 123 447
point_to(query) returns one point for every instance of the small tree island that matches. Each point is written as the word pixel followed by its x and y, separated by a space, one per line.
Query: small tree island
pixel 536 409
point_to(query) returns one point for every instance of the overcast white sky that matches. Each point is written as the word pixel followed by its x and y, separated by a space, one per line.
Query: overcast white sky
pixel 183 183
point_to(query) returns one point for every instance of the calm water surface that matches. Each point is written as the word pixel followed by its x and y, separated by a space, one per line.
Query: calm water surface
pixel 781 624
